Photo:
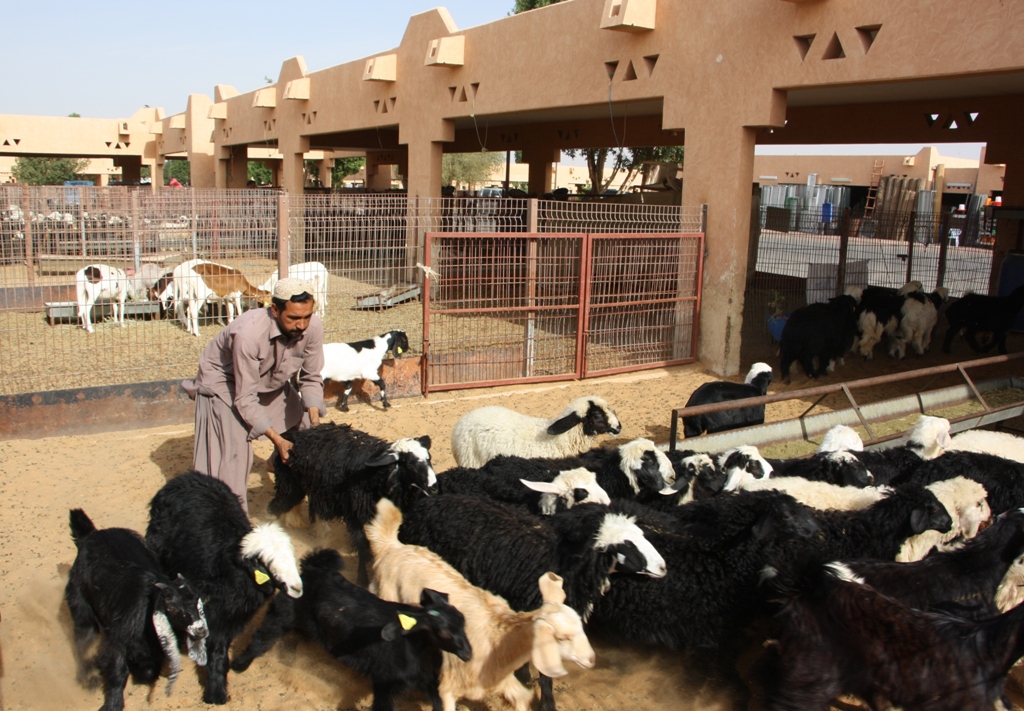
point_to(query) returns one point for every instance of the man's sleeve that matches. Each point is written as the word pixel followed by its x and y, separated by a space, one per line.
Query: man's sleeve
pixel 311 384
pixel 245 356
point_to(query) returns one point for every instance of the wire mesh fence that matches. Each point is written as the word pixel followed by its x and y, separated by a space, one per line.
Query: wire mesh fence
pixel 807 256
pixel 611 217
pixel 370 247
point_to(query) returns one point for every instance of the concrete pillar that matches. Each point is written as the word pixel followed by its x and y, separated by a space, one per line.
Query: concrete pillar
pixel 158 174
pixel 326 166
pixel 131 169
pixel 293 178
pixel 719 166
pixel 378 169
pixel 423 176
pixel 232 169
pixel 1008 235
pixel 542 168
pixel 275 171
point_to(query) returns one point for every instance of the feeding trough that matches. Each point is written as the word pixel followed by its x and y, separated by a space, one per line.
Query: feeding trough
pixel 68 310
pixel 392 296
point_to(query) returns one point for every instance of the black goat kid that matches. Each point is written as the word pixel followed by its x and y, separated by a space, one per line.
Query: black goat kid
pixel 116 588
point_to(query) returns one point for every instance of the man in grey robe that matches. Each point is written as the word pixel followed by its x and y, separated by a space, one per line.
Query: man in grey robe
pixel 243 389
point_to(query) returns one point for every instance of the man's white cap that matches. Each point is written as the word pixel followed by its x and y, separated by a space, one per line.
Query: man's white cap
pixel 285 289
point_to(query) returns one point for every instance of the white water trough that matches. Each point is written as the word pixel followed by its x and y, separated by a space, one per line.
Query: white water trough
pixel 811 428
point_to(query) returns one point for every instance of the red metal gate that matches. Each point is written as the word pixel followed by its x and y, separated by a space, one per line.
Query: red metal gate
pixel 506 308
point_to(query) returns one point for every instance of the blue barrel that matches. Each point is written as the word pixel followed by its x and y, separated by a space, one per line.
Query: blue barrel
pixel 1011 275
pixel 826 212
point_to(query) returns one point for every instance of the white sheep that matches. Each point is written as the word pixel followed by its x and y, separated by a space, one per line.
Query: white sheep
pixel 919 314
pixel 502 640
pixel 1001 444
pixel 100 281
pixel 314 272
pixel 486 432
pixel 966 501
pixel 819 494
pixel 841 438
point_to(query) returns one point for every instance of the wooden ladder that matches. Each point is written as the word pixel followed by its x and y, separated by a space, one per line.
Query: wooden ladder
pixel 876 179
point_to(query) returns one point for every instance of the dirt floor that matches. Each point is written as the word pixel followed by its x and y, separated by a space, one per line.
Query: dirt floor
pixel 113 477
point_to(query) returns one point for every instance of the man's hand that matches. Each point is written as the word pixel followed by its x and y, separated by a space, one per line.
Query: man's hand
pixel 283 446
pixel 314 416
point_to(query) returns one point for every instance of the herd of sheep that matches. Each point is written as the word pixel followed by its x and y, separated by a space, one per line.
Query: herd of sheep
pixel 893 575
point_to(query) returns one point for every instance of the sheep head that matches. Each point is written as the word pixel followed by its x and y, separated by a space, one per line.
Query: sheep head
pixel 742 464
pixel 571 487
pixel 558 632
pixel 592 412
pixel 412 470
pixel 930 437
pixel 179 607
pixel 645 466
pixel 633 553
pixel 270 545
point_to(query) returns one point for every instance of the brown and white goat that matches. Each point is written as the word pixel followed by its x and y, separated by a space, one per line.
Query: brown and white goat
pixel 230 285
pixel 502 640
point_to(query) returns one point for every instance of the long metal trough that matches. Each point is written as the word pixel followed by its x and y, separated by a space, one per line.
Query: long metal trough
pixel 808 427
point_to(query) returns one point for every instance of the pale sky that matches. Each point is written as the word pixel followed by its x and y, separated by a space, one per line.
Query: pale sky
pixel 105 59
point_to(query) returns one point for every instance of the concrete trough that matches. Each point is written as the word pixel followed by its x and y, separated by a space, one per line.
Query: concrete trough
pixel 812 427
pixel 57 311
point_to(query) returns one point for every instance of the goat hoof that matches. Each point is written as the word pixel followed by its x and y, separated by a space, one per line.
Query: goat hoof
pixel 219 697
pixel 386 404
pixel 344 408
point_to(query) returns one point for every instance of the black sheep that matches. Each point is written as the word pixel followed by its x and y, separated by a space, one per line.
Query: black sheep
pixel 839 636
pixel 1002 478
pixel 755 385
pixel 965 579
pixel 398 646
pixel 978 313
pixel 714 552
pixel 928 439
pixel 818 331
pixel 116 588
pixel 197 528
pixel 697 477
pixel 840 468
pixel 525 483
pixel 346 472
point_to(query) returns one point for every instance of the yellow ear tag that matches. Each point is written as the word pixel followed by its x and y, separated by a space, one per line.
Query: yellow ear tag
pixel 398 351
pixel 407 622
pixel 261 577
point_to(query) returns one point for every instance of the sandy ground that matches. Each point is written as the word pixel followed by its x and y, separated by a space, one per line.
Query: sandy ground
pixel 113 477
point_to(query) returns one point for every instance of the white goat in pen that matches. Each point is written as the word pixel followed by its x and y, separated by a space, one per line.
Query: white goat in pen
pixel 310 271
pixel 100 281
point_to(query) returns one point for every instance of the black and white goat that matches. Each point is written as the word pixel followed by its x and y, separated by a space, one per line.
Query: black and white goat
pixel 839 636
pixel 398 646
pixel 345 362
pixel 486 432
pixel 345 472
pixel 525 483
pixel 819 332
pixel 197 529
pixel 978 313
pixel 634 470
pixel 755 385
pixel 116 588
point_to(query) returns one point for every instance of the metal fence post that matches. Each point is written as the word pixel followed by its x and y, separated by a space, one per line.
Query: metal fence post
pixel 26 215
pixel 137 260
pixel 283 234
pixel 844 244
pixel 940 276
pixel 910 246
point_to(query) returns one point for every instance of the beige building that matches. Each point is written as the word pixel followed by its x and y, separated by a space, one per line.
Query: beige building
pixel 716 77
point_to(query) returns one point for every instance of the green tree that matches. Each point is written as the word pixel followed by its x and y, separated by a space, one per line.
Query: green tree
pixel 524 5
pixel 180 170
pixel 47 171
pixel 257 170
pixel 74 115
pixel 344 167
pixel 469 168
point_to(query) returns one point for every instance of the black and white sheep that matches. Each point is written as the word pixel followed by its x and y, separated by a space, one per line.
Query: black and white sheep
pixel 634 470
pixel 486 432
pixel 525 483
pixel 879 314
pixel 116 588
pixel 918 318
pixel 1002 444
pixel 839 438
pixel 500 548
pixel 742 464
pixel 697 477
pixel 967 577
pixel 839 636
pixel 927 440
pixel 345 472
pixel 755 385
pixel 840 468
pixel 197 529
pixel 398 646
pixel 978 313
pixel 345 362
pixel 822 332
pixel 819 494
